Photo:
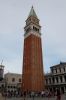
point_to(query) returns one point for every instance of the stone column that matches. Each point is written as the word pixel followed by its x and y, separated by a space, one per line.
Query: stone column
pixel 59 80
pixel 63 79
pixel 51 80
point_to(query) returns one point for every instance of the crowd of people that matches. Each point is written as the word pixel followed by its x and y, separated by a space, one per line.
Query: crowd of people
pixel 46 93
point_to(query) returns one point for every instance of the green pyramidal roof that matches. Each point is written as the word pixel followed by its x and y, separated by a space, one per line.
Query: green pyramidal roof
pixel 32 13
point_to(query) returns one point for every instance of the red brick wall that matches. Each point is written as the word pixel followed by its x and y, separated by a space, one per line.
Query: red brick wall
pixel 33 78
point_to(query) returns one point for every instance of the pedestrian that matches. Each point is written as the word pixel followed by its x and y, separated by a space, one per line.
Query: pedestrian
pixel 58 94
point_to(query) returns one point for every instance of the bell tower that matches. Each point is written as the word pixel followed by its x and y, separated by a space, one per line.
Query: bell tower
pixel 32 76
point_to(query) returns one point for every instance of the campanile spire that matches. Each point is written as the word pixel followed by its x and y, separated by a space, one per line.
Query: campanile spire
pixel 32 13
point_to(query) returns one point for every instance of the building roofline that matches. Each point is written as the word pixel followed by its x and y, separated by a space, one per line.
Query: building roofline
pixel 61 63
pixel 12 73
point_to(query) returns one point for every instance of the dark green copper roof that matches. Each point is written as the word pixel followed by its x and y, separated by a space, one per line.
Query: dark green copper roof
pixel 32 13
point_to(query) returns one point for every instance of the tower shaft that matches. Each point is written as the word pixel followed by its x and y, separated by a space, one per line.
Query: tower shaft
pixel 32 76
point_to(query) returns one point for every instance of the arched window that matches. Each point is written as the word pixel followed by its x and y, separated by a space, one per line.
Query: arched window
pixel 13 79
pixel 53 79
pixel 19 79
pixel 61 79
pixel 60 70
pixel 28 30
pixel 57 79
pixel 65 78
pixel 50 80
pixel 35 29
pixel 64 69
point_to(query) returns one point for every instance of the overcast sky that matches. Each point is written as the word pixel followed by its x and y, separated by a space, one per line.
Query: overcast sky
pixel 52 15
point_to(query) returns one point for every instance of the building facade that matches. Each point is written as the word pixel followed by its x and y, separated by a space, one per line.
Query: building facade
pixel 2 80
pixel 32 76
pixel 56 78
pixel 1 72
pixel 12 82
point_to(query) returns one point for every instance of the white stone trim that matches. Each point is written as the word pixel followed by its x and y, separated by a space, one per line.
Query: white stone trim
pixel 32 32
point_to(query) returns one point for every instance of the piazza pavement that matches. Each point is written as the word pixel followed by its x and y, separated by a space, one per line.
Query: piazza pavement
pixel 63 97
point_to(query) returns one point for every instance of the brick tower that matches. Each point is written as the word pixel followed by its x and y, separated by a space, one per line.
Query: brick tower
pixel 32 76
